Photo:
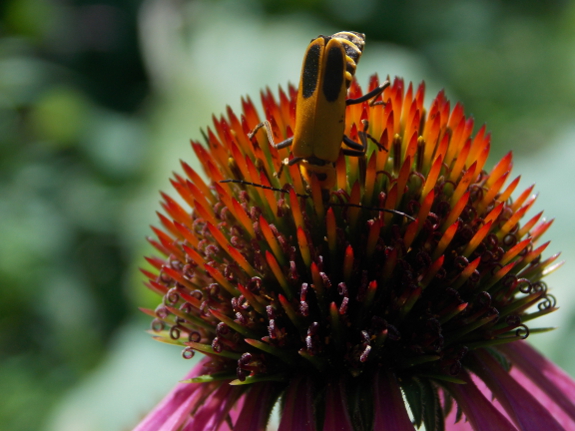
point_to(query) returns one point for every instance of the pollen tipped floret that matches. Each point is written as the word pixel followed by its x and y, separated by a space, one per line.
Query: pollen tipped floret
pixel 296 291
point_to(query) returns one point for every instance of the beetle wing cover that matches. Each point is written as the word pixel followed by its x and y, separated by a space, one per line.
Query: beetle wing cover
pixel 320 116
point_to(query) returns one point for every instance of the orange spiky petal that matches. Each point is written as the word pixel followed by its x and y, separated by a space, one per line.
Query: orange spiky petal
pixel 221 280
pixel 272 240
pixel 280 277
pixel 431 179
pixel 303 246
pixel 463 185
pixel 242 261
pixel 445 240
pixel 348 263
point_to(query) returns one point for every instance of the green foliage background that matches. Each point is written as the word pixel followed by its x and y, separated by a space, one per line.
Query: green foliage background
pixel 98 100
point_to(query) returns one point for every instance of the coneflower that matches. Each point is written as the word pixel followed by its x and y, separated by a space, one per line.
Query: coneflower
pixel 349 316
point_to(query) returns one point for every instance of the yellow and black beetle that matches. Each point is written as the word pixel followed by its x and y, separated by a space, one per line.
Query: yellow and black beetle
pixel 327 72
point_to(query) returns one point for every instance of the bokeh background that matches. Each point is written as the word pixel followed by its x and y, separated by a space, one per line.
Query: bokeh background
pixel 98 101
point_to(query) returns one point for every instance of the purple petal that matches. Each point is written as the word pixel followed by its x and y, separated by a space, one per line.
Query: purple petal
pixel 174 409
pixel 257 408
pixel 527 413
pixel 336 414
pixel 390 411
pixel 480 412
pixel 451 425
pixel 297 414
pixel 549 378
pixel 233 415
pixel 459 426
pixel 215 409
pixel 549 403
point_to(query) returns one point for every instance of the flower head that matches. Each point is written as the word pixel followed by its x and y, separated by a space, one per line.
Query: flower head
pixel 397 298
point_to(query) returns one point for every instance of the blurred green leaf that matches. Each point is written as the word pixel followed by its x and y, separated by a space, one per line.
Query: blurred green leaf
pixel 59 116
pixel 33 18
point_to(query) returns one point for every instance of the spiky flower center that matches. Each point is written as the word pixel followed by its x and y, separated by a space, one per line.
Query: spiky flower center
pixel 275 284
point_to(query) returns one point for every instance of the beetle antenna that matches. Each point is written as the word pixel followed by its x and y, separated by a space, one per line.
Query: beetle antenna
pixel 387 210
pixel 275 189
pixel 261 186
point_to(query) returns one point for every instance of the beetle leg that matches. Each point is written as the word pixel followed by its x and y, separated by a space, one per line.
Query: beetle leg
pixel 293 161
pixel 267 126
pixel 372 139
pixel 360 149
pixel 353 153
pixel 287 162
pixel 284 144
pixel 356 149
pixel 368 136
pixel 372 94
pixel 279 172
